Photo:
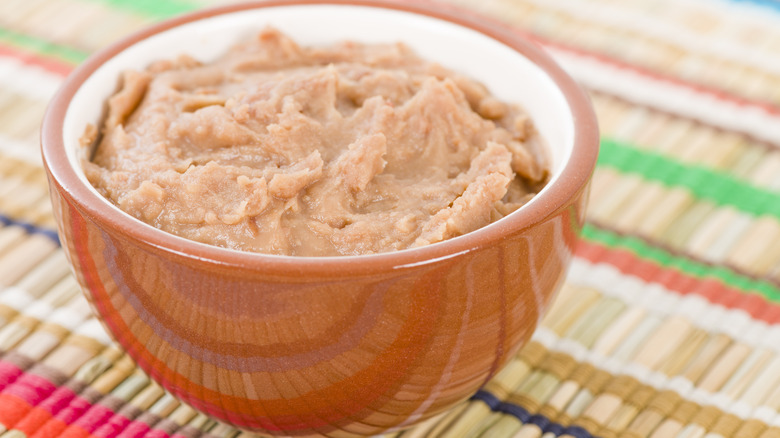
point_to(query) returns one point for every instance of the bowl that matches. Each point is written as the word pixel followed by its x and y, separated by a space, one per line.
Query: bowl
pixel 336 346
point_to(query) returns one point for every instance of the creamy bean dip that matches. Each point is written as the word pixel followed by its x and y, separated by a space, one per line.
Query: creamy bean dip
pixel 313 151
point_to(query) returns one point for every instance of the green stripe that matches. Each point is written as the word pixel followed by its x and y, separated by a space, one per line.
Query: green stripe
pixel 154 8
pixel 704 183
pixel 42 47
pixel 681 263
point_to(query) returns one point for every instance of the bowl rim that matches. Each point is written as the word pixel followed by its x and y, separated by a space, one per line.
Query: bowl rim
pixel 557 195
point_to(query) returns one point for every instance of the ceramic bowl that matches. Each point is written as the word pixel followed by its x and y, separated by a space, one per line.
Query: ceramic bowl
pixel 333 346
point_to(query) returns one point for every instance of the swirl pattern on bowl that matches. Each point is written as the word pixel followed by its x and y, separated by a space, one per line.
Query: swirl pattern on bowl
pixel 329 346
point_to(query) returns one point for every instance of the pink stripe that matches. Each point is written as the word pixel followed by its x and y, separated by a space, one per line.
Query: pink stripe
pixel 93 418
pixel 113 427
pixel 70 408
pixel 59 400
pixel 74 410
pixel 8 373
pixel 31 388
pixel 62 404
pixel 138 429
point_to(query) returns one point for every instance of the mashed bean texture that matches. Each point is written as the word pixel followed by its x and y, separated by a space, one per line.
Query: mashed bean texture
pixel 313 151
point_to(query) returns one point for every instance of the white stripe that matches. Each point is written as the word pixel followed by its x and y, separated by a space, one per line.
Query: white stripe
pixel 661 303
pixel 71 315
pixel 659 381
pixel 24 151
pixel 713 318
pixel 670 97
pixel 29 81
pixel 74 316
pixel 92 328
pixel 15 298
pixel 662 29
pixel 39 310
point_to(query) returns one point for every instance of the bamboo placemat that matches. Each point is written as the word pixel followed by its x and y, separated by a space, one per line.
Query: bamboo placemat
pixel 668 325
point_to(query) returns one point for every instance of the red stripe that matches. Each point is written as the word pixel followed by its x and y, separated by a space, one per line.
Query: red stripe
pixel 49 64
pixel 719 94
pixel 712 289
pixel 18 398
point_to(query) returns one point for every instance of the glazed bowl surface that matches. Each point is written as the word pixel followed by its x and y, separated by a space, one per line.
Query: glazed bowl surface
pixel 336 346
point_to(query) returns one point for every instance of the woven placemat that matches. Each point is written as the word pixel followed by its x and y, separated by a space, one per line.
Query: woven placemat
pixel 667 325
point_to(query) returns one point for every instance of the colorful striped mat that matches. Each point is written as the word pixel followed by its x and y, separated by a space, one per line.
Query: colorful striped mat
pixel 668 326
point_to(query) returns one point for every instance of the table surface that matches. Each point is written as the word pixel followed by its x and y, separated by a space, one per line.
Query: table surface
pixel 667 324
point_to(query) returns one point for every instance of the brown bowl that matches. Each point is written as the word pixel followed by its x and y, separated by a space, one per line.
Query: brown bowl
pixel 332 345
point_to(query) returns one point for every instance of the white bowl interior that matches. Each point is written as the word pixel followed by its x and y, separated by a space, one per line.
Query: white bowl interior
pixel 507 74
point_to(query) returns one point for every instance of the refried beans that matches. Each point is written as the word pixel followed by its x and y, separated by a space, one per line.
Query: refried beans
pixel 313 151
